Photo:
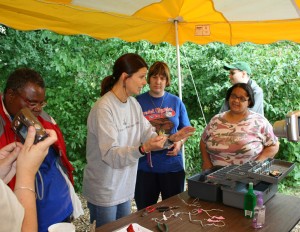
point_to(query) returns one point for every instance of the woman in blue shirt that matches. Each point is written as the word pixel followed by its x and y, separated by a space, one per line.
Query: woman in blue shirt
pixel 167 113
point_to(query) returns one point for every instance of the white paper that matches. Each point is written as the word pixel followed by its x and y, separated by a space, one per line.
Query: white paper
pixel 136 227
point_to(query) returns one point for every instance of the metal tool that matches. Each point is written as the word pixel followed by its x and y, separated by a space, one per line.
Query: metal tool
pixel 148 210
pixel 163 227
pixel 166 208
pixel 151 209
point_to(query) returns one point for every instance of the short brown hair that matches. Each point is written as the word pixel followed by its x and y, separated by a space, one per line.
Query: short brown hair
pixel 159 68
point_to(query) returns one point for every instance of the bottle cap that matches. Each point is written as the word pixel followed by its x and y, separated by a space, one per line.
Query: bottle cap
pixel 250 185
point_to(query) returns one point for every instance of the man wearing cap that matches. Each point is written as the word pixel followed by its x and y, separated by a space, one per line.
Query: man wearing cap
pixel 239 72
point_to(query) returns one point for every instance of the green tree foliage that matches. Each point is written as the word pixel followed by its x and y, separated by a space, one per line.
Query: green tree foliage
pixel 73 67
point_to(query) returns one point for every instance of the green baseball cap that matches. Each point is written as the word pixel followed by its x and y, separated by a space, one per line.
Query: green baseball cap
pixel 243 66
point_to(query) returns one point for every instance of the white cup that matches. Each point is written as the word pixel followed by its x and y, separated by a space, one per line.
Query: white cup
pixel 62 227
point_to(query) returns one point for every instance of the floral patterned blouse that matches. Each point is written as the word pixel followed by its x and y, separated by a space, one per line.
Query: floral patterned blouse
pixel 237 143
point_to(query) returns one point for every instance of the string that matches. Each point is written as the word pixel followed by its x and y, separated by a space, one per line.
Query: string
pixel 149 159
pixel 217 221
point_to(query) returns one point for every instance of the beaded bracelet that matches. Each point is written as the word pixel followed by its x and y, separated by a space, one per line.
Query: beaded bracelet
pixel 142 151
pixel 25 188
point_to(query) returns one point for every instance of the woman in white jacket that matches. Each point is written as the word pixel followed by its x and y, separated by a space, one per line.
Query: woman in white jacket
pixel 118 135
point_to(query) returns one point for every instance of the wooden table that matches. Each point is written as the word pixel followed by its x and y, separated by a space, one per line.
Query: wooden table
pixel 282 214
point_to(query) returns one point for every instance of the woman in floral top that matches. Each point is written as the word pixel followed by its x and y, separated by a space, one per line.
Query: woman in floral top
pixel 238 135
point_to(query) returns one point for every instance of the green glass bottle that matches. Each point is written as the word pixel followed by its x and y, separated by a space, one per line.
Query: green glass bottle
pixel 249 202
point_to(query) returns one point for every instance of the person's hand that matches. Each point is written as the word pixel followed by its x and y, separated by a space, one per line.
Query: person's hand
pixel 8 156
pixel 183 133
pixel 32 155
pixel 155 143
pixel 175 149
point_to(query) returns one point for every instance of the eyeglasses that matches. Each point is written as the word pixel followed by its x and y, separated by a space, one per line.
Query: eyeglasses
pixel 32 105
pixel 241 99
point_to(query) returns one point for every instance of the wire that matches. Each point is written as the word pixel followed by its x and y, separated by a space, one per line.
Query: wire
pixel 192 78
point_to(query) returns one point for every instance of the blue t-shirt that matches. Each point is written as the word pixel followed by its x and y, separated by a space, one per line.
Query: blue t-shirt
pixel 167 114
pixel 56 204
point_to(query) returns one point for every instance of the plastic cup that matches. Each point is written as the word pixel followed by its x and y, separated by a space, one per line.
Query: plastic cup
pixel 62 227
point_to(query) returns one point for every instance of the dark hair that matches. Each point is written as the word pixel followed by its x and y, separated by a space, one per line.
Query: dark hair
pixel 159 68
pixel 245 87
pixel 129 63
pixel 20 77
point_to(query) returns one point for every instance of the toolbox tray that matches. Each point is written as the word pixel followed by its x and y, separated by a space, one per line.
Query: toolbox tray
pixel 252 171
pixel 261 170
pixel 220 176
pixel 235 197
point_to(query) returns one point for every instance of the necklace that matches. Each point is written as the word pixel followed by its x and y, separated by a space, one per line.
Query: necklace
pixel 161 131
pixel 118 97
pixel 161 101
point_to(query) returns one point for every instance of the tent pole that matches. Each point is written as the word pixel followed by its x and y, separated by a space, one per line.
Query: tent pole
pixel 179 80
pixel 178 59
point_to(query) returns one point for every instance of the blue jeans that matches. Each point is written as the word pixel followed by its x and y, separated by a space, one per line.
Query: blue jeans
pixel 103 215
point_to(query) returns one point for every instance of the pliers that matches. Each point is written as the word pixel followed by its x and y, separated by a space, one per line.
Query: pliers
pixel 151 209
pixel 163 227
pixel 148 210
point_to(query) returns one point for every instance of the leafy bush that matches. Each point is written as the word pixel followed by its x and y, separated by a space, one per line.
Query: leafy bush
pixel 73 67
